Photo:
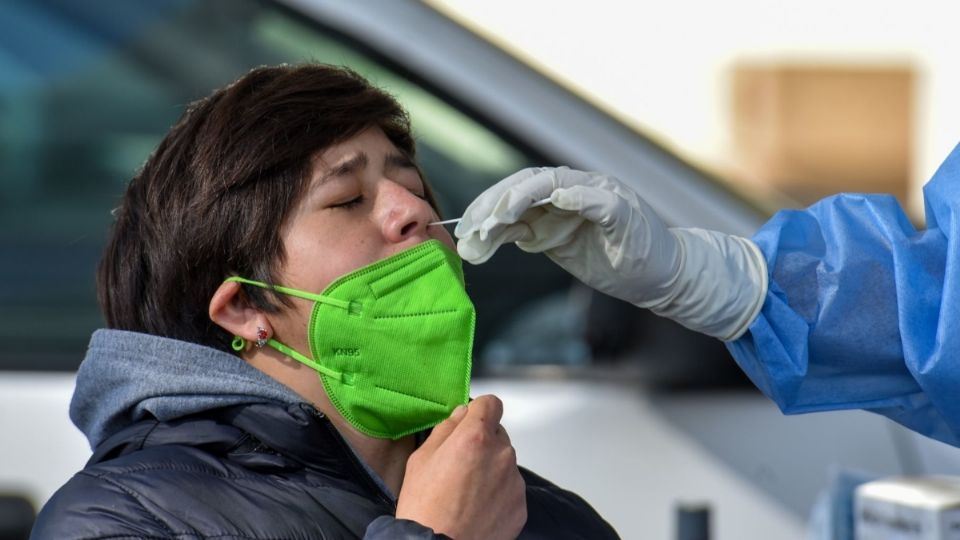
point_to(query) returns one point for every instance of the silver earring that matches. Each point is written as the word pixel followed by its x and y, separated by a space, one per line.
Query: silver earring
pixel 261 337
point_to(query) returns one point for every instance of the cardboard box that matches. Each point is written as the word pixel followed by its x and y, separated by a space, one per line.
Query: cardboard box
pixel 908 508
pixel 816 130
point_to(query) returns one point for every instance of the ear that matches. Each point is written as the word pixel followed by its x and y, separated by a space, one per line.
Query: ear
pixel 232 314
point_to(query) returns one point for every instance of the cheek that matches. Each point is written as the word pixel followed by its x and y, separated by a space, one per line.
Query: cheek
pixel 312 262
pixel 290 325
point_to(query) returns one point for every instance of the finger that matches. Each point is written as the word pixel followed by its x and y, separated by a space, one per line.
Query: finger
pixel 477 249
pixel 443 430
pixel 480 208
pixel 502 434
pixel 551 231
pixel 487 410
pixel 518 200
pixel 506 199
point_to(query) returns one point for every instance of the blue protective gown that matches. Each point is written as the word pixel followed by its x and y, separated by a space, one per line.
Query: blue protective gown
pixel 863 310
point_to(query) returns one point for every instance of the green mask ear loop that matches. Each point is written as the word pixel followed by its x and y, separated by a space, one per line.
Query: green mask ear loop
pixel 343 304
pixel 238 344
pixel 345 378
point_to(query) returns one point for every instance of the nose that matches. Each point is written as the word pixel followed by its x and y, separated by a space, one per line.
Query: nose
pixel 403 214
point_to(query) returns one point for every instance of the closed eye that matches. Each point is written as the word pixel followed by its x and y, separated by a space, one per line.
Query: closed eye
pixel 352 203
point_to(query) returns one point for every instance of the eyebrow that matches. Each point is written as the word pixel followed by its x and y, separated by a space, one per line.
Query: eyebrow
pixel 397 160
pixel 360 160
pixel 347 166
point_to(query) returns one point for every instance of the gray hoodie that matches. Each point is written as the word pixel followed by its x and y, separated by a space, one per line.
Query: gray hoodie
pixel 127 376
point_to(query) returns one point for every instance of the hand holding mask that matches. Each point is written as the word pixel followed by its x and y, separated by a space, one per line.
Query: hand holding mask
pixel 464 481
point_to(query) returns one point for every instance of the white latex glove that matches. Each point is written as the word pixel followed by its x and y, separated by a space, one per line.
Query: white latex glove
pixel 603 233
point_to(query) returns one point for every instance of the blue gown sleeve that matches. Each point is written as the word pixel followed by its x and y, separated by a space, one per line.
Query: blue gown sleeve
pixel 863 310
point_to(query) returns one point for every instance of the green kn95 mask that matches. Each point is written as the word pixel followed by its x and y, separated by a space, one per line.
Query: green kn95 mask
pixel 392 341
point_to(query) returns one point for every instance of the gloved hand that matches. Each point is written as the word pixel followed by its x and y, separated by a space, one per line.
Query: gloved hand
pixel 603 233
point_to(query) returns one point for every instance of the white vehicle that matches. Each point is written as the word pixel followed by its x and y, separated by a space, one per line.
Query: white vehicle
pixel 590 385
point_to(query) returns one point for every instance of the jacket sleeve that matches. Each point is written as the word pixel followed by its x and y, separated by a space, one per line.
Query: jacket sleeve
pixel 863 310
pixel 391 528
pixel 89 507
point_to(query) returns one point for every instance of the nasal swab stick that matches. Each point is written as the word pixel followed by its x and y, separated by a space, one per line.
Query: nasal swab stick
pixel 539 203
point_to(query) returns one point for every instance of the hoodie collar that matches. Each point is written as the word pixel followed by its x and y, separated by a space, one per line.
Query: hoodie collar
pixel 127 377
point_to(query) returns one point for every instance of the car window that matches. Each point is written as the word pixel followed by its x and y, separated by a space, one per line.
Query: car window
pixel 88 89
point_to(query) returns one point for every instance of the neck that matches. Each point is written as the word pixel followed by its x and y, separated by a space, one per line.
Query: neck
pixel 387 458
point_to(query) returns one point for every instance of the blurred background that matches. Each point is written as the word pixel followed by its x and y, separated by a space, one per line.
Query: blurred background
pixel 795 99
pixel 718 113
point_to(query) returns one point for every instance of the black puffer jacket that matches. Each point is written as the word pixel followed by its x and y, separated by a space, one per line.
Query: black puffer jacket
pixel 265 471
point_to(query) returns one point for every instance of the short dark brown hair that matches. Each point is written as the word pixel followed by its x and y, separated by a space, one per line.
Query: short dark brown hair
pixel 210 202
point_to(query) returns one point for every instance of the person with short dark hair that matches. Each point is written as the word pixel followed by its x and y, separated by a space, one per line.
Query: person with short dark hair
pixel 288 343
